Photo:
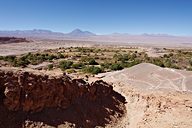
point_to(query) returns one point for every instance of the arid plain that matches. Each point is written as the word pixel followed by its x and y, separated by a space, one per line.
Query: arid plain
pixel 156 94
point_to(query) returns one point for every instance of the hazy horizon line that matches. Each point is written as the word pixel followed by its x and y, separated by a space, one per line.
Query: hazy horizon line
pixel 98 34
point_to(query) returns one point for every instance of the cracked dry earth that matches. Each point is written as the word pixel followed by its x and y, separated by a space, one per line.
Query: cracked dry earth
pixel 156 97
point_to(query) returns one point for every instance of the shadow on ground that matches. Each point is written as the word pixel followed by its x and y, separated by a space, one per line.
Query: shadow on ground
pixel 83 113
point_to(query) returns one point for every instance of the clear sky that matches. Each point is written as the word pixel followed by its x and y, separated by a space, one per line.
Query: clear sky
pixel 99 16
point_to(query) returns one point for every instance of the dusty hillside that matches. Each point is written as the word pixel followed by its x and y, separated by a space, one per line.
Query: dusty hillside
pixel 156 97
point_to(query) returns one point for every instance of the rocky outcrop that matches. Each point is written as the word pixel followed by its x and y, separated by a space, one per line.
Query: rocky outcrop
pixel 35 99
pixel 32 92
pixel 6 40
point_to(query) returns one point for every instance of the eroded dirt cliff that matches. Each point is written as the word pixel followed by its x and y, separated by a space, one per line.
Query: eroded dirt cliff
pixel 34 100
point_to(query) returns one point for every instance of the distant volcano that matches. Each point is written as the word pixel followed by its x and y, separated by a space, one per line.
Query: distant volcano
pixel 79 33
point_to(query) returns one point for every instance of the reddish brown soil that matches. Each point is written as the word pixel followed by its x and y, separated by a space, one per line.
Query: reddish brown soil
pixel 82 114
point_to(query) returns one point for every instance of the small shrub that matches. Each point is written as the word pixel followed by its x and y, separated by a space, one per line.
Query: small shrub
pixel 158 62
pixel 50 67
pixel 116 66
pixel 190 62
pixel 133 56
pixel 92 69
pixel 84 59
pixel 106 65
pixel 92 61
pixel 189 69
pixel 1 57
pixel 21 62
pixel 60 55
pixel 69 71
pixel 118 57
pixel 51 57
pixel 10 58
pixel 165 56
pixel 167 63
pixel 65 64
pixel 78 65
pixel 170 54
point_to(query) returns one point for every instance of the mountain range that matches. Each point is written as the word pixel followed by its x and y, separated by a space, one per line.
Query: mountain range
pixel 78 34
pixel 46 33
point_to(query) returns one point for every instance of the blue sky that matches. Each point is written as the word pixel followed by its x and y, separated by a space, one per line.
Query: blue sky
pixel 99 16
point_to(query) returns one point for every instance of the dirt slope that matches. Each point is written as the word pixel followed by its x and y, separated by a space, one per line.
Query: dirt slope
pixel 156 97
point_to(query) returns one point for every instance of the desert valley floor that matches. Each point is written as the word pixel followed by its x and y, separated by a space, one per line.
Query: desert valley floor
pixel 154 96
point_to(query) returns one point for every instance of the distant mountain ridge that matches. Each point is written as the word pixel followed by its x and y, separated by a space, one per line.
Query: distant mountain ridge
pixel 78 34
pixel 46 33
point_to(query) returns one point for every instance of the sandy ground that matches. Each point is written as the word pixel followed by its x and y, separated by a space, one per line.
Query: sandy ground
pixel 156 97
pixel 41 45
